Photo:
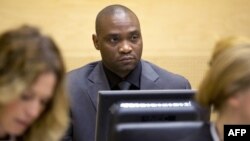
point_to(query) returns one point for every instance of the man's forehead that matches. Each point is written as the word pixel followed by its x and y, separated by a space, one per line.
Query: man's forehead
pixel 119 27
pixel 118 14
pixel 113 18
pixel 119 32
pixel 119 18
pixel 115 9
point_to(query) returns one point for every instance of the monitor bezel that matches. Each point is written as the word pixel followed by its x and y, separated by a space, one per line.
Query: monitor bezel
pixel 156 131
pixel 108 97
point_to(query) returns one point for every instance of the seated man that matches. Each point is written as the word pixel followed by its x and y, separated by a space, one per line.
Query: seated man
pixel 119 40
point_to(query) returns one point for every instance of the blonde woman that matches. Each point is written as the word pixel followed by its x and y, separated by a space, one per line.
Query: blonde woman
pixel 33 104
pixel 226 43
pixel 225 88
pixel 222 45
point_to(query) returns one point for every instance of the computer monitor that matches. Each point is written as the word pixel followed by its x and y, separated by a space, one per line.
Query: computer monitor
pixel 147 111
pixel 107 100
pixel 157 131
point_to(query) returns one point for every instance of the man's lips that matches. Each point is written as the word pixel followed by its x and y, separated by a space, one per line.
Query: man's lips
pixel 126 58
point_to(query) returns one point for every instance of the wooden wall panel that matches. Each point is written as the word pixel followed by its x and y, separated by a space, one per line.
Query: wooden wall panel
pixel 178 34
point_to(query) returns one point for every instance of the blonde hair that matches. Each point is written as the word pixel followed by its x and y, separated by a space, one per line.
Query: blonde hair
pixel 24 55
pixel 228 73
pixel 226 43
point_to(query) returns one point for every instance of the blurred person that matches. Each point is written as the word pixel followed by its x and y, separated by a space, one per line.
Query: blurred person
pixel 226 88
pixel 228 42
pixel 221 45
pixel 33 103
pixel 118 38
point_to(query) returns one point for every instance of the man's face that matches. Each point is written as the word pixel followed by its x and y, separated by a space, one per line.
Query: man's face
pixel 120 42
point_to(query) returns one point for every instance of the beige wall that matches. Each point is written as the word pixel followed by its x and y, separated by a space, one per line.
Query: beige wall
pixel 178 34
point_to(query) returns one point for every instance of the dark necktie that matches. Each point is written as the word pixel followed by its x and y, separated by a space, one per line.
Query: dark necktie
pixel 124 85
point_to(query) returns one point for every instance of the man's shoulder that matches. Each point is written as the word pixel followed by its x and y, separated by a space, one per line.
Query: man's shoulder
pixel 82 72
pixel 161 71
pixel 84 69
pixel 167 76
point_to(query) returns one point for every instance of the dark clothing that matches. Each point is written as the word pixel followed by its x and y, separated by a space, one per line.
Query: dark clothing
pixel 85 82
pixel 133 78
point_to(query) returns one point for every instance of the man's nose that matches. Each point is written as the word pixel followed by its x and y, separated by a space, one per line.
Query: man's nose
pixel 125 47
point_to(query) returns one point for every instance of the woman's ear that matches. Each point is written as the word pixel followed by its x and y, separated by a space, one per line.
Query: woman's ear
pixel 95 41
pixel 233 101
pixel 236 99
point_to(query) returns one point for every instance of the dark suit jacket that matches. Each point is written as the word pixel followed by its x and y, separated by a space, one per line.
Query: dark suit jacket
pixel 85 82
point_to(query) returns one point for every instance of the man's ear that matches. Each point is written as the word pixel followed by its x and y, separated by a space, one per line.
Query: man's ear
pixel 95 41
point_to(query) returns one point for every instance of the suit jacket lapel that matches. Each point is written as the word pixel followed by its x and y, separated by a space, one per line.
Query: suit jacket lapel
pixel 148 77
pixel 97 81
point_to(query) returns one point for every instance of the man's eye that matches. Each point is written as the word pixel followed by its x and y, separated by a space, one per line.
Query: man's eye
pixel 134 37
pixel 114 39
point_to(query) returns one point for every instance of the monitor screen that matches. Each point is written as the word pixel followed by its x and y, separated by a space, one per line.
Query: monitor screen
pixel 112 108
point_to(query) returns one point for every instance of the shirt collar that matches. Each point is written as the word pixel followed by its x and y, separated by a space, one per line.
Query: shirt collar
pixel 133 77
